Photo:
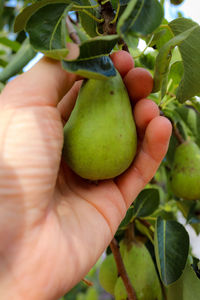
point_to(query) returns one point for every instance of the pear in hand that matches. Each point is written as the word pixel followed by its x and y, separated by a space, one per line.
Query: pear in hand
pixel 100 137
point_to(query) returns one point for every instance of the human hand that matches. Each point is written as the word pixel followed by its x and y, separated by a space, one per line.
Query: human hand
pixel 53 224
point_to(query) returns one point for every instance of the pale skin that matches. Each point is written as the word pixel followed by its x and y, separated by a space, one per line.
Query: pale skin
pixel 54 225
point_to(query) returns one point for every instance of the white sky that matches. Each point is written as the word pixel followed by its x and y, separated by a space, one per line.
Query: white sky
pixel 189 9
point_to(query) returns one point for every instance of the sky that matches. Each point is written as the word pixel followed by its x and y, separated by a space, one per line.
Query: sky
pixel 189 8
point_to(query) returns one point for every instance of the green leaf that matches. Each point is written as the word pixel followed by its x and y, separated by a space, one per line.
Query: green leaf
pixel 129 215
pixel 97 47
pixel 162 35
pixel 176 73
pixel 1 7
pixel 80 32
pixel 149 18
pixel 124 2
pixel 24 16
pixel 49 36
pixel 19 60
pixel 137 17
pixel 144 230
pixel 131 40
pixel 3 63
pixel 9 43
pixel 115 3
pixel 147 60
pixel 171 243
pixel 190 53
pixel 146 203
pixel 164 57
pixel 187 287
pixel 97 68
pixel 191 118
pixel 129 16
pixel 88 24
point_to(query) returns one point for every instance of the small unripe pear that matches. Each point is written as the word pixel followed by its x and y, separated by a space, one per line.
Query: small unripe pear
pixel 142 274
pixel 108 274
pixel 185 174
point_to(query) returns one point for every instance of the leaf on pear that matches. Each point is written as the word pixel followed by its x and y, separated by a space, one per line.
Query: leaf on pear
pixel 96 68
pixel 98 46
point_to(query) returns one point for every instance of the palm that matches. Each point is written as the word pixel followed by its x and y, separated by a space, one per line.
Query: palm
pixel 54 224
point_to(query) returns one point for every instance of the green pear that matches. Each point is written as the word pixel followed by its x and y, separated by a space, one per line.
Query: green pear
pixel 100 137
pixel 185 175
pixel 142 274
pixel 186 287
pixel 108 274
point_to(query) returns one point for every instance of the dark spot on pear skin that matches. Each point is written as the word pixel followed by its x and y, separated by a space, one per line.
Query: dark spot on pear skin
pixel 111 92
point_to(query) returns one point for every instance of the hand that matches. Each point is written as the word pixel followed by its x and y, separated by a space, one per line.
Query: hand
pixel 53 224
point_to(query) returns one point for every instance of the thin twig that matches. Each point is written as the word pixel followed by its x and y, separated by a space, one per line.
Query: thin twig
pixel 121 270
pixel 72 32
pixel 125 47
pixel 87 282
pixel 72 20
pixel 177 134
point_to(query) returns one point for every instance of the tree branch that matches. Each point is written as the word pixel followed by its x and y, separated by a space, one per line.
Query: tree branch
pixel 107 13
pixel 121 270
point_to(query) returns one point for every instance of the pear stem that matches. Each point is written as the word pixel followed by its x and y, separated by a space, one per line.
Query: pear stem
pixel 121 270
